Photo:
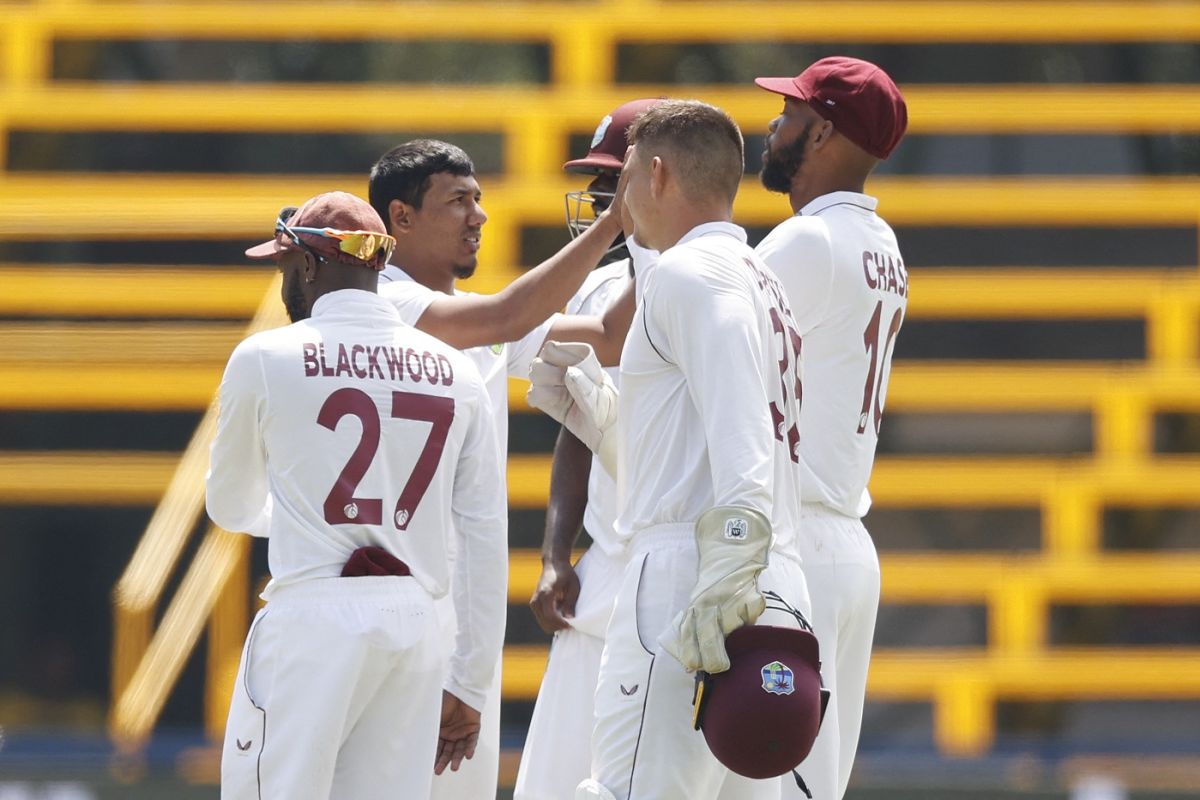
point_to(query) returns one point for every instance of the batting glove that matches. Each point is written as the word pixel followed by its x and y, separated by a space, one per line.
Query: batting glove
pixel 733 542
pixel 569 384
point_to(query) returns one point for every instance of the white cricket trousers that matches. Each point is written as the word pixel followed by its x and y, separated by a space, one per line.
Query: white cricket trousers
pixel 842 570
pixel 338 694
pixel 477 777
pixel 643 746
pixel 557 754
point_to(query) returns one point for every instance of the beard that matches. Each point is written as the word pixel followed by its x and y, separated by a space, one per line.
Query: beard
pixel 464 271
pixel 294 302
pixel 782 165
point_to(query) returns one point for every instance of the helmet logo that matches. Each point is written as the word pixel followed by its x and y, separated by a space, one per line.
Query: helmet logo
pixel 778 678
pixel 601 129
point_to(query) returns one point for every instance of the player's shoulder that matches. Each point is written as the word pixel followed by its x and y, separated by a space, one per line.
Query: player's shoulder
pixel 404 288
pixel 617 272
pixel 463 364
pixel 409 337
pixel 274 339
pixel 691 276
pixel 599 287
pixel 797 235
pixel 261 352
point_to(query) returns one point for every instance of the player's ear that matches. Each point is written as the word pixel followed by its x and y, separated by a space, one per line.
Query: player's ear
pixel 400 217
pixel 312 266
pixel 658 177
pixel 821 134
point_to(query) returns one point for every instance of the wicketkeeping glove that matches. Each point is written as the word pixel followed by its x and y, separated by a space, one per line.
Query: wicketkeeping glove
pixel 733 542
pixel 569 384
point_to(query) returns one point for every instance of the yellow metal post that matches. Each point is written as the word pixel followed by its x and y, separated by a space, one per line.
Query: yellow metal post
pixel 1123 425
pixel 1071 520
pixel 1018 610
pixel 964 716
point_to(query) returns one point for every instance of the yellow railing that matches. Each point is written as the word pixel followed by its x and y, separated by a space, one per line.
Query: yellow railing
pixel 920 21
pixel 554 112
pixel 146 666
pixel 233 207
pixel 118 366
pixel 964 684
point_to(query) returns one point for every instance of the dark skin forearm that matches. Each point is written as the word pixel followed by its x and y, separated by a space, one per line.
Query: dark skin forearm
pixel 606 334
pixel 554 598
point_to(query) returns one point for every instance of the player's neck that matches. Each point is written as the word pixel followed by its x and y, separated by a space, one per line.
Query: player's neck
pixel 431 276
pixel 676 226
pixel 803 194
pixel 843 168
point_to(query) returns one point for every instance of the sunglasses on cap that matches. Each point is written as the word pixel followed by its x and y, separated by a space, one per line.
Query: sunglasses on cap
pixel 363 245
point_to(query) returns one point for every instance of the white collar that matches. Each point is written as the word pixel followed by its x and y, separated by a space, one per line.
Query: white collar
pixel 819 204
pixel 710 228
pixel 334 302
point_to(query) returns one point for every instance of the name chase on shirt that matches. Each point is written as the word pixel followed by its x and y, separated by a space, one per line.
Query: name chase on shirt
pixel 374 361
pixel 885 272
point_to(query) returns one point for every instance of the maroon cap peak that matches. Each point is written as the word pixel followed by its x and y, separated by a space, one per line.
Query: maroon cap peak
pixel 858 97
pixel 336 210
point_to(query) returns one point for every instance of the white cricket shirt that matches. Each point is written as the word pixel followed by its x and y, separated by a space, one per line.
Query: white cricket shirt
pixel 496 362
pixel 708 413
pixel 351 429
pixel 848 288
pixel 595 296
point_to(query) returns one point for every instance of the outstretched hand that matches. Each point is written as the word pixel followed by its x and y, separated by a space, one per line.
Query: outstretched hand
pixel 553 601
pixel 458 735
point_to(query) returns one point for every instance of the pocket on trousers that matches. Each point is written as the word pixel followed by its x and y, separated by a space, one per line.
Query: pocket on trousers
pixel 245 728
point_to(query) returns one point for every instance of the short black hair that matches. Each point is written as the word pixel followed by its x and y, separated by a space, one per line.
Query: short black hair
pixel 405 173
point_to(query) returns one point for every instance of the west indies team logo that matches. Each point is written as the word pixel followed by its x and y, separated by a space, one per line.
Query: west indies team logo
pixel 601 129
pixel 778 678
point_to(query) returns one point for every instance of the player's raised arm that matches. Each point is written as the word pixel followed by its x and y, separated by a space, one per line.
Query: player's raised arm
pixel 606 333
pixel 474 320
pixel 428 197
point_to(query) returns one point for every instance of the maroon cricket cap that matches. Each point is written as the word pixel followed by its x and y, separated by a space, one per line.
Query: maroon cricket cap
pixel 859 98
pixel 761 716
pixel 337 210
pixel 609 143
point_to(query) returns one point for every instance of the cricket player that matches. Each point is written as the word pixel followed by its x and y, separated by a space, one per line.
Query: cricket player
pixel 430 200
pixel 848 288
pixel 360 447
pixel 707 465
pixel 575 602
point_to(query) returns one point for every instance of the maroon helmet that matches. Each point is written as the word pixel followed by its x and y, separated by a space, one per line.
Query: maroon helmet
pixel 606 155
pixel 609 143
pixel 761 716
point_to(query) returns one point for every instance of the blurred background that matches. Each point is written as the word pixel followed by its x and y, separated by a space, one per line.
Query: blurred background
pixel 1038 485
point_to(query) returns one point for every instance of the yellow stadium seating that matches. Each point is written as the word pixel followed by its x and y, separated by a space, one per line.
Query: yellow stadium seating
pixel 120 364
